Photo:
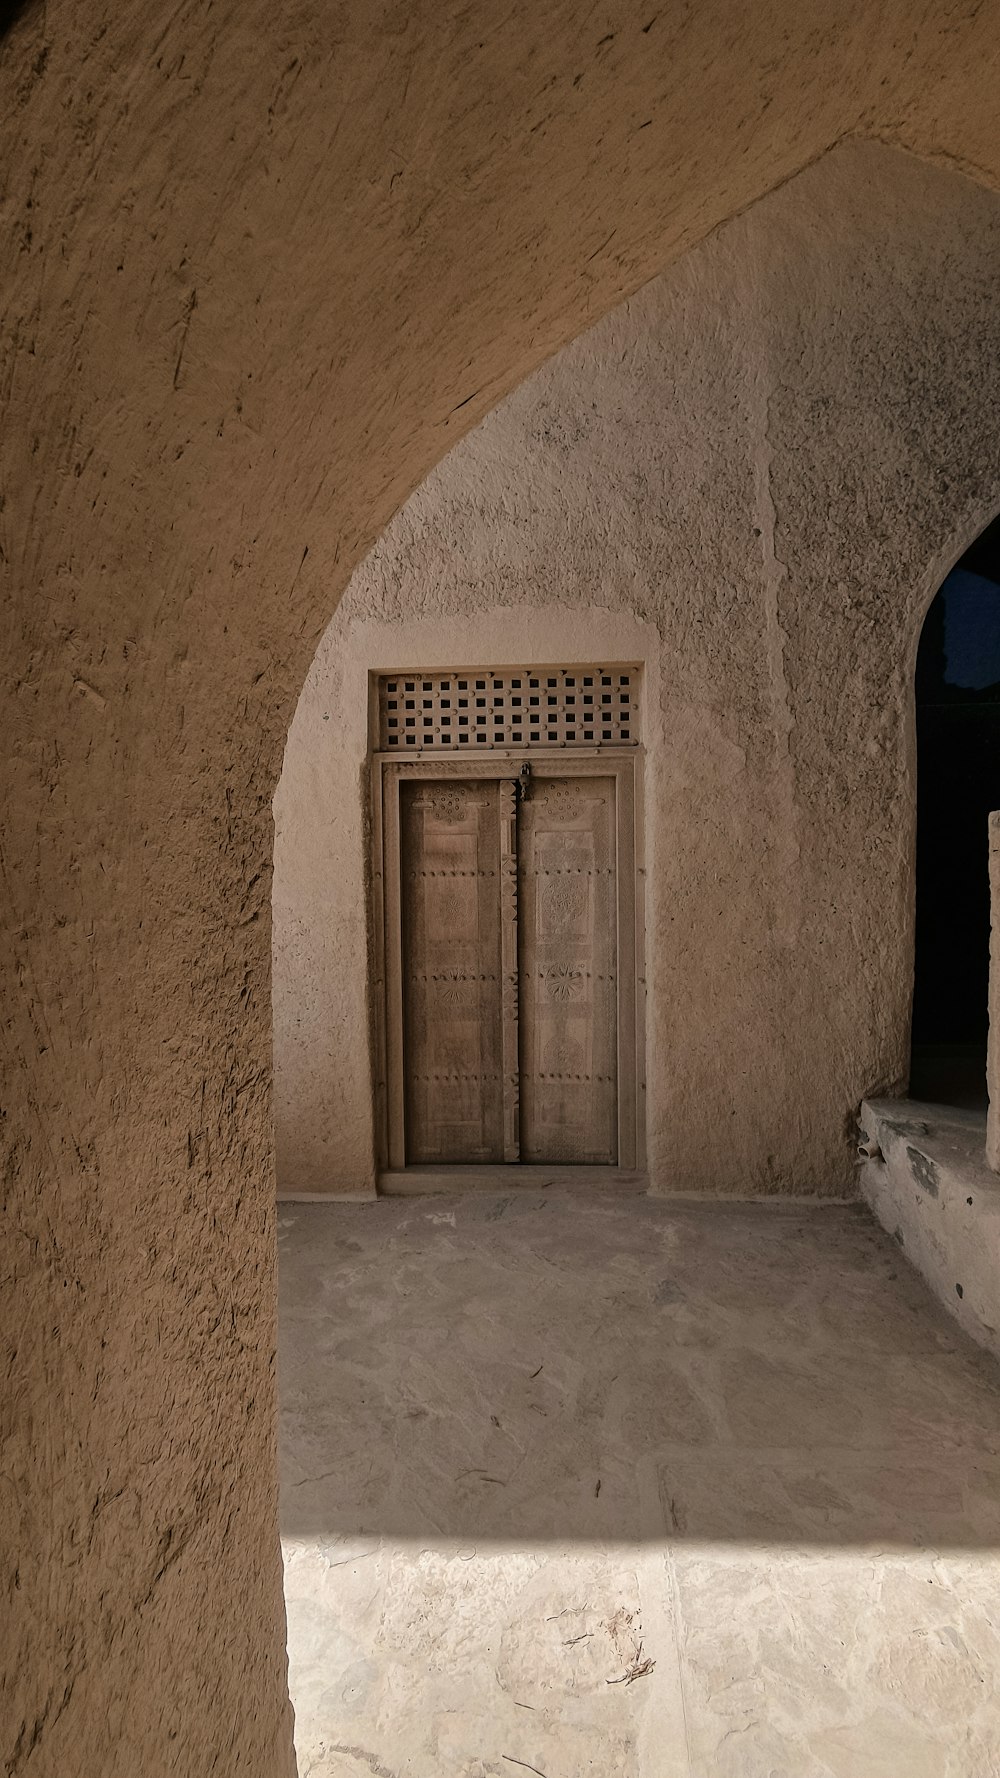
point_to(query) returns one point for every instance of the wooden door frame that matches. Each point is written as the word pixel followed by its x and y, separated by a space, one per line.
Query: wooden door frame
pixel 389 772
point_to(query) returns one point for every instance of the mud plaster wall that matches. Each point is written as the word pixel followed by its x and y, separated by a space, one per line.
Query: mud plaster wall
pixel 267 262
pixel 743 477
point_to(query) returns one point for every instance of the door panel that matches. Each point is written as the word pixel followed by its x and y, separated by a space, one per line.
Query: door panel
pixel 567 911
pixel 452 968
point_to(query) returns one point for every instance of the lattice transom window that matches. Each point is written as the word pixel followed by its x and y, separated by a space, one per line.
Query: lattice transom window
pixel 509 707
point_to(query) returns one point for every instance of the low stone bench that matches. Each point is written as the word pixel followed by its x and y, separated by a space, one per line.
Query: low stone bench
pixel 924 1174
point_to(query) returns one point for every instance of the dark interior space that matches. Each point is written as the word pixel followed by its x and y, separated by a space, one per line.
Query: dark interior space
pixel 958 783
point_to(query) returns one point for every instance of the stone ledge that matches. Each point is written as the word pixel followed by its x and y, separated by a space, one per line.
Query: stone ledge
pixel 924 1174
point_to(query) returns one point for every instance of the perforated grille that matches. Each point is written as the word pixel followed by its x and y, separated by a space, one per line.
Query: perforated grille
pixel 510 707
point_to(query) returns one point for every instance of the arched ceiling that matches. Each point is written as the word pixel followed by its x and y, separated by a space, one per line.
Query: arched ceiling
pixel 273 260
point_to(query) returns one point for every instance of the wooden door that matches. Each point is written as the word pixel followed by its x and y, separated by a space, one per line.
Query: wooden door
pixel 459 970
pixel 567 912
pixel 508 970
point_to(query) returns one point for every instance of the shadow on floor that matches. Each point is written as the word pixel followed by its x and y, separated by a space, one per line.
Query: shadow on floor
pixel 555 1367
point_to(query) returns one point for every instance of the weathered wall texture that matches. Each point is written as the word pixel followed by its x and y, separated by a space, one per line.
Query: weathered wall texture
pixel 265 263
pixel 751 476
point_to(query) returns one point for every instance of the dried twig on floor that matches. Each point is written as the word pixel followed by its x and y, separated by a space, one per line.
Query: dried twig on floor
pixel 524 1763
pixel 534 1374
pixel 639 1671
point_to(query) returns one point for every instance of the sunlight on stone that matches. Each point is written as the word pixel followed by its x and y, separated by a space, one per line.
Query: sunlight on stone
pixel 635 1489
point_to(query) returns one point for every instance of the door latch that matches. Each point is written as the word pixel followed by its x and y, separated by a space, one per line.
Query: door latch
pixel 521 781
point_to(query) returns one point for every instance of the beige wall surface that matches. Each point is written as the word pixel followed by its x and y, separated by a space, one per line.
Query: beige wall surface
pixel 750 477
pixel 266 263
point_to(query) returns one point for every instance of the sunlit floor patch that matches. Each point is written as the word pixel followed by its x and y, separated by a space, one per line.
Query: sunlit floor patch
pixel 580 1485
pixel 444 1659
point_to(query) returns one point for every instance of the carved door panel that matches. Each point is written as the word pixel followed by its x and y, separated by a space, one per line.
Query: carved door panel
pixel 508 934
pixel 567 910
pixel 452 965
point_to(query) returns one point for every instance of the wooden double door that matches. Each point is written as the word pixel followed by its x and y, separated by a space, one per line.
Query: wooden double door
pixel 511 964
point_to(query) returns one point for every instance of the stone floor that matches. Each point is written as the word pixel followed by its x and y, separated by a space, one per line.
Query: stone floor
pixel 578 1485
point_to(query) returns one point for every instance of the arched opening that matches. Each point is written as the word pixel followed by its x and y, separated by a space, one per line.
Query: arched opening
pixel 957 686
pixel 551 1403
pixel 249 304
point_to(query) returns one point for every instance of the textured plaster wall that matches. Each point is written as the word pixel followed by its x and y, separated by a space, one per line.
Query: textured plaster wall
pixel 265 263
pixel 752 475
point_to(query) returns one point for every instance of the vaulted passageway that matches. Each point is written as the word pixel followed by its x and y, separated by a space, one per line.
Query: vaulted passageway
pixel 267 263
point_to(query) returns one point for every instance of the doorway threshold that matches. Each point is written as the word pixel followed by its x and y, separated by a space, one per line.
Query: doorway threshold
pixel 513 1176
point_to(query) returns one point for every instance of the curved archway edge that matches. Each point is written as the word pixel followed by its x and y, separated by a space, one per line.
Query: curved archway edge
pixel 647 485
pixel 271 263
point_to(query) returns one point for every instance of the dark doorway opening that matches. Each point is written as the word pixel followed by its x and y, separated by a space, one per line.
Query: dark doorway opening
pixel 958 783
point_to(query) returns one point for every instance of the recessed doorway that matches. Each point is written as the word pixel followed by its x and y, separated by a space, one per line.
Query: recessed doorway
pixel 507 926
pixel 958 784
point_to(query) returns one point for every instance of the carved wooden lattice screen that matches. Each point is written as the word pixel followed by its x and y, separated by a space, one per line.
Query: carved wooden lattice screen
pixel 521 707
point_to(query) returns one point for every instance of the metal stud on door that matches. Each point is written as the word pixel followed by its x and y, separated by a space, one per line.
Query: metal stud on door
pixel 567 901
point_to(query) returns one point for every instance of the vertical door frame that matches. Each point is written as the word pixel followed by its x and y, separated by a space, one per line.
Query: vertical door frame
pixel 509 972
pixel 624 766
